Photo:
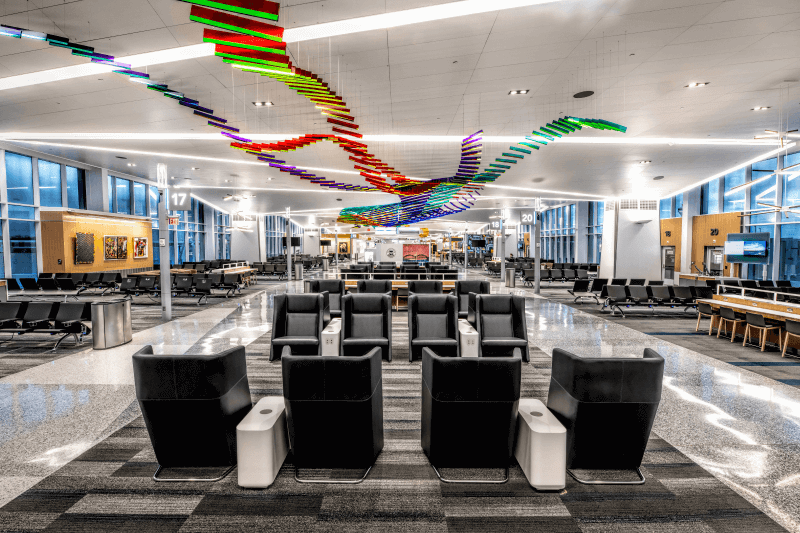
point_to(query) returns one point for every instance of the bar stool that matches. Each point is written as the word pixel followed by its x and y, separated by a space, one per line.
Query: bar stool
pixel 727 315
pixel 792 330
pixel 758 322
pixel 710 312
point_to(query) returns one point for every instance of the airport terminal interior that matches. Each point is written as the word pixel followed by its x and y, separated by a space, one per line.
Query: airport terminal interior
pixel 400 265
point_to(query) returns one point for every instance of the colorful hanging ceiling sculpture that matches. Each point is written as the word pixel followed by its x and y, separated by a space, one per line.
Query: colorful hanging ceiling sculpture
pixel 257 47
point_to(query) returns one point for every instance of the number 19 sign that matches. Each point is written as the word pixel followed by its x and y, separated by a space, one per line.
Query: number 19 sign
pixel 180 199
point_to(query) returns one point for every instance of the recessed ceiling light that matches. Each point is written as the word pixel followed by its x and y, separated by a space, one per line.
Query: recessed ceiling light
pixel 172 177
pixel 645 162
pixel 658 178
pixel 262 104
pixel 131 164
pixel 760 108
pixel 583 94
pixel 269 179
pixel 697 84
pixel 195 168
pixel 520 91
pixel 227 181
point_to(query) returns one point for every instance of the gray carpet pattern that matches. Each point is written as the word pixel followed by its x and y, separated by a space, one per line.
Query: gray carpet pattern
pixel 109 487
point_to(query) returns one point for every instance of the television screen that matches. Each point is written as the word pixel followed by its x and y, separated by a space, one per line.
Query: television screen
pixel 295 241
pixel 324 242
pixel 478 243
pixel 755 248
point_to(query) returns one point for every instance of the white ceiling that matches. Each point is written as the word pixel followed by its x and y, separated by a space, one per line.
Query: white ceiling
pixel 449 77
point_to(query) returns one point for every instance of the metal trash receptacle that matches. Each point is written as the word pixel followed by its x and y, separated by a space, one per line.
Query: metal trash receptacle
pixel 111 323
pixel 325 264
pixel 298 272
pixel 511 277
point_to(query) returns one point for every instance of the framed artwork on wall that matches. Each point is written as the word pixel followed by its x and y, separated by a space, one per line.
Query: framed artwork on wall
pixel 115 247
pixel 84 248
pixel 139 247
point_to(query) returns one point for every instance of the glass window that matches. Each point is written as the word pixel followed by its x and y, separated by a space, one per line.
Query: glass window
pixel 790 253
pixel 181 247
pixel 762 195
pixel 49 183
pixel 665 208
pixel 19 178
pixel 601 206
pixel 123 190
pixel 201 246
pixel 791 190
pixel 76 188
pixel 111 194
pixel 22 235
pixel 139 199
pixel 20 211
pixel 679 205
pixel 154 199
pixel 710 197
pixel 156 247
pixel 757 271
pixel 734 200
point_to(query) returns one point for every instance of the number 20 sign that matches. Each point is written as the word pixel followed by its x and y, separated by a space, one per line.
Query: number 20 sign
pixel 180 199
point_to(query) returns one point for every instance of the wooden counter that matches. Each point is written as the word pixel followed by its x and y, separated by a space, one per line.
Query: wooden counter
pixel 177 271
pixel 775 311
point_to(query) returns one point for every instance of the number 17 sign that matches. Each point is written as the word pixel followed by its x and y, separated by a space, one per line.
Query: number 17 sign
pixel 180 199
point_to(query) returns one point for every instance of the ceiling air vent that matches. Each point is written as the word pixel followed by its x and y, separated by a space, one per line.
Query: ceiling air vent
pixel 628 204
pixel 609 206
pixel 648 205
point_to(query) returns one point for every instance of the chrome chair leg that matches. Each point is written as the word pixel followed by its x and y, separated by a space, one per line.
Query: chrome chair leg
pixel 471 481
pixel 192 479
pixel 603 482
pixel 332 481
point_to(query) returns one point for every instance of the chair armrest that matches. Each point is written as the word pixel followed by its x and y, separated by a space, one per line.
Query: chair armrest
pixel 287 350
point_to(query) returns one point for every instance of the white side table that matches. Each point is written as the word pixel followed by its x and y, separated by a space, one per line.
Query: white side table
pixel 468 339
pixel 332 337
pixel 541 448
pixel 262 443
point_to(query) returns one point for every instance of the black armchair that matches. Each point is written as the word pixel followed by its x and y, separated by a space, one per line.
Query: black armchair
pixel 469 411
pixel 334 411
pixel 370 286
pixel 424 287
pixel 432 323
pixel 191 405
pixel 297 323
pixel 335 290
pixel 462 291
pixel 607 406
pixel 500 321
pixel 366 324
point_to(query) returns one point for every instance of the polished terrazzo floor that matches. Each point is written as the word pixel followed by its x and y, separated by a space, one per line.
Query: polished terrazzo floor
pixel 741 428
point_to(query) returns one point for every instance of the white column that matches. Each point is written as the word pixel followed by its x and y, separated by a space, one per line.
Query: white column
pixel 288 234
pixel 581 232
pixel 163 237
pixel 691 209
pixel 536 237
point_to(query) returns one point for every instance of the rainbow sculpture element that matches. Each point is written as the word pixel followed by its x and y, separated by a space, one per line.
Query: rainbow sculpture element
pixel 258 47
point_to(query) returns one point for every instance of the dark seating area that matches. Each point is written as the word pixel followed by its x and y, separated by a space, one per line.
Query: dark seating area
pixel 49 318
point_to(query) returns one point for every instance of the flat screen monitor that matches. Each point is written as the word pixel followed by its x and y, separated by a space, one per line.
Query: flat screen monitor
pixel 324 242
pixel 295 241
pixel 755 248
pixel 478 243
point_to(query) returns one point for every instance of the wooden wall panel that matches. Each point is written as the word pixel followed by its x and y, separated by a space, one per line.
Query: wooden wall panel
pixel 58 241
pixel 702 225
pixel 674 226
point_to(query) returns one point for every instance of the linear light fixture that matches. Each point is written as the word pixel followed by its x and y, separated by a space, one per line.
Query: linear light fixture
pixel 317 31
pixel 733 169
pixel 10 136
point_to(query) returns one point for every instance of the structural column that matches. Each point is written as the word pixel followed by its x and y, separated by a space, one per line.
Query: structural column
pixel 691 209
pixel 288 237
pixel 537 249
pixel 163 244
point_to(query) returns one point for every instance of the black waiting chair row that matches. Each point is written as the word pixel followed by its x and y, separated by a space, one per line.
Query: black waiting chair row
pixel 529 276
pixel 499 320
pixel 51 318
pixel 199 285
pixel 653 296
pixel 271 269
pixel 324 396
pixel 64 284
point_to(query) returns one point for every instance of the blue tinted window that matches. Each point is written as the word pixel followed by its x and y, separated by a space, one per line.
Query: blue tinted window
pixel 49 183
pixel 679 205
pixel 19 178
pixel 665 208
pixel 710 197
pixel 154 198
pixel 22 236
pixel 111 208
pixel 123 189
pixel 20 211
pixel 791 189
pixel 763 195
pixel 76 188
pixel 156 247
pixel 139 199
pixel 734 200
